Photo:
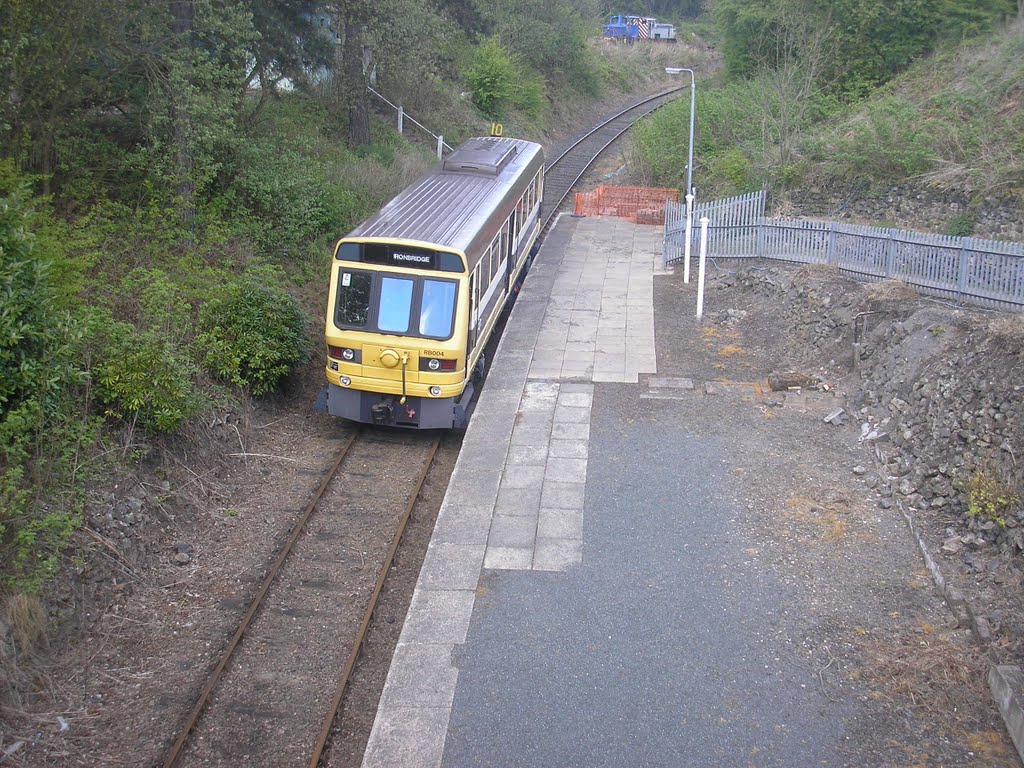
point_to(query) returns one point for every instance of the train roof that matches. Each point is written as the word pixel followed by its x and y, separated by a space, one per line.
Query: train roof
pixel 449 205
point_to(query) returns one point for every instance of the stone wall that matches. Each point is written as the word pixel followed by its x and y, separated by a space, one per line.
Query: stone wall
pixel 999 215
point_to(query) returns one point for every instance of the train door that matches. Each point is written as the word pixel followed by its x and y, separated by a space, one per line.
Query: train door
pixel 513 229
pixel 474 302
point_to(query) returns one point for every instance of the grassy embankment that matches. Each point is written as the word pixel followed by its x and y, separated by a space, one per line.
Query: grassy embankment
pixel 954 118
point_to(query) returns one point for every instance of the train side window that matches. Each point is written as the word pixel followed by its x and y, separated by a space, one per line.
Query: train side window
pixel 353 304
pixel 487 273
pixel 395 304
pixel 437 308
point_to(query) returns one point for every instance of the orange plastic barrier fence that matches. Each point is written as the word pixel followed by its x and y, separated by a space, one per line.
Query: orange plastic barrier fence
pixel 641 205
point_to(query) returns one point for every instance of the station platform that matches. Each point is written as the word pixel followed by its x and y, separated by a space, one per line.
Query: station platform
pixel 591 595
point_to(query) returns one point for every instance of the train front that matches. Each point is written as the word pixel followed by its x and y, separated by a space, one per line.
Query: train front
pixel 396 334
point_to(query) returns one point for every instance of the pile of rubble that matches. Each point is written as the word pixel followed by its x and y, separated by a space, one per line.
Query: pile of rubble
pixel 937 389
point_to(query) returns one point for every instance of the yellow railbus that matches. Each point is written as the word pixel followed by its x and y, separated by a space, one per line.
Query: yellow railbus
pixel 416 289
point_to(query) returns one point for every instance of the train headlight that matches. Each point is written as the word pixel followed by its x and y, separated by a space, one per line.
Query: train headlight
pixel 435 391
pixel 434 364
pixel 348 354
pixel 345 381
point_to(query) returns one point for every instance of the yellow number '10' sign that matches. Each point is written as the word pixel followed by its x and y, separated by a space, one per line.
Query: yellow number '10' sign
pixel 497 129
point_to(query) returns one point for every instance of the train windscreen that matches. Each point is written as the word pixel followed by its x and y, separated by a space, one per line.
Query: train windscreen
pixel 407 306
pixel 437 308
pixel 353 298
pixel 395 304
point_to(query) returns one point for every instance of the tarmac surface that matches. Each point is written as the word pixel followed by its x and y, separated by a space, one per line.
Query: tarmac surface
pixel 591 595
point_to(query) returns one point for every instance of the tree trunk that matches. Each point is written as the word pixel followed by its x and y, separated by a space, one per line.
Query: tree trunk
pixel 180 118
pixel 355 84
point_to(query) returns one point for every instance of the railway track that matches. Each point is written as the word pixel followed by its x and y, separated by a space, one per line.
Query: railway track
pixel 572 162
pixel 274 694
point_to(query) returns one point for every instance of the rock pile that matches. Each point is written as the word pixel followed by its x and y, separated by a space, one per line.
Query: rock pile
pixel 949 390
pixel 939 392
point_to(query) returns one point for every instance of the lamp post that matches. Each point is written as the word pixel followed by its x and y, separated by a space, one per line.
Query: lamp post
pixel 693 104
pixel 689 167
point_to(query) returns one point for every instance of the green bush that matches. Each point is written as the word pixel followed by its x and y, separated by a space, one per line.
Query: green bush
pixel 254 333
pixel 284 199
pixel 498 81
pixel 733 167
pixel 990 496
pixel 729 135
pixel 961 225
pixel 141 376
pixel 41 431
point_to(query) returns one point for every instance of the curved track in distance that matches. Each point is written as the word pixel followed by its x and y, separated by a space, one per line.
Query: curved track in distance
pixel 570 164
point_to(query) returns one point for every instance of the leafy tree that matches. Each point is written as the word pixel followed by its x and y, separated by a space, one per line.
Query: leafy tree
pixel 353 18
pixel 791 84
pixel 401 26
pixel 295 40
pixel 661 9
pixel 58 61
pixel 550 37
pixel 465 14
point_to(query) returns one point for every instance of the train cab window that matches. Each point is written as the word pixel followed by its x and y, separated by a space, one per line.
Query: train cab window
pixel 353 305
pixel 395 304
pixel 437 308
pixel 450 262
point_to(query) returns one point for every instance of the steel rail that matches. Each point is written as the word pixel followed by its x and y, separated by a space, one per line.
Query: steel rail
pixel 268 580
pixel 662 97
pixel 357 646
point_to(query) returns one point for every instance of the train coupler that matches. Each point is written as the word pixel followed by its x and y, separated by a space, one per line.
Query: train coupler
pixel 382 413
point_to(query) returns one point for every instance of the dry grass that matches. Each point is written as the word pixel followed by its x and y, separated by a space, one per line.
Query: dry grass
pixel 826 518
pixel 891 290
pixel 1009 330
pixel 26 617
pixel 383 183
pixel 731 350
pixel 817 271
pixel 648 62
pixel 931 672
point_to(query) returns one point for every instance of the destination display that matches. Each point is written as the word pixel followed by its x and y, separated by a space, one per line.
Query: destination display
pixel 400 256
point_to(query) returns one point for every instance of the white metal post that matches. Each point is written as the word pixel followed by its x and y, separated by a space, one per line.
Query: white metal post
pixel 689 230
pixel 401 120
pixel 440 147
pixel 700 267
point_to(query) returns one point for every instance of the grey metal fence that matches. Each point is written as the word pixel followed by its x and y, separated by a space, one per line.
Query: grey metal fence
pixel 985 272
